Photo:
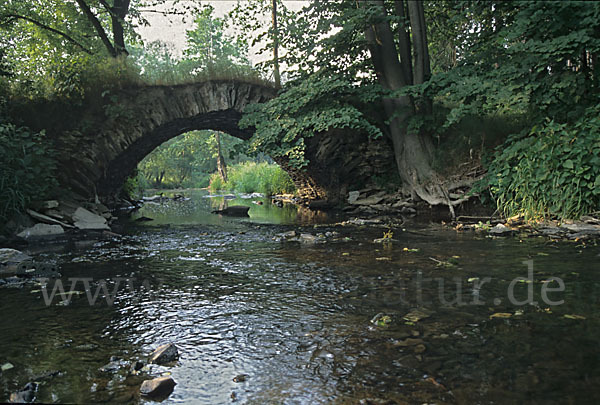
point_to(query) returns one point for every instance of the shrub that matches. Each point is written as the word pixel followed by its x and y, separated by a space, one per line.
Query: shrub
pixel 554 170
pixel 250 177
pixel 27 170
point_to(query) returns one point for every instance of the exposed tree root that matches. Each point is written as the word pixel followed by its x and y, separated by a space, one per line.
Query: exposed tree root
pixel 437 192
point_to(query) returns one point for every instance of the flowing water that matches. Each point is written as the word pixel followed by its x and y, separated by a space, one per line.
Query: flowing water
pixel 295 318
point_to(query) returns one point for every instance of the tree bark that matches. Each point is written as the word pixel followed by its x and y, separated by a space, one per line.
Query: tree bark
pixel 97 26
pixel 422 68
pixel 412 150
pixel 404 41
pixel 221 165
pixel 276 73
pixel 118 13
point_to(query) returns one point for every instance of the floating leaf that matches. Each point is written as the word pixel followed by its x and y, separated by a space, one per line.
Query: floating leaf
pixel 501 315
pixel 416 315
pixel 7 366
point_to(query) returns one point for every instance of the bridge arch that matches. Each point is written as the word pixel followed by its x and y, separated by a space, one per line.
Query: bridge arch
pixel 99 161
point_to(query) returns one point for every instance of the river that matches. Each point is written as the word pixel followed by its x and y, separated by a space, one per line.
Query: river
pixel 295 319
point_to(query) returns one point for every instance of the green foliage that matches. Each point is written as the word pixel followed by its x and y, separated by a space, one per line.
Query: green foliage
pixel 187 160
pixel 521 57
pixel 554 170
pixel 307 107
pixel 250 177
pixel 208 44
pixel 27 169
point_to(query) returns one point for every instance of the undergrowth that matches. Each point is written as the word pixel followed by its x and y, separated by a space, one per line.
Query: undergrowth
pixel 250 177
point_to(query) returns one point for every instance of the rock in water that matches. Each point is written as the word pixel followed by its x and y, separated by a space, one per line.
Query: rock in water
pixel 159 387
pixel 13 262
pixel 164 354
pixel 26 395
pixel 501 229
pixel 41 230
pixel 235 211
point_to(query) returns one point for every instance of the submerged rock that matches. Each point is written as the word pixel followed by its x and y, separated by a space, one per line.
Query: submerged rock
pixel 13 262
pixel 25 395
pixel 235 211
pixel 164 354
pixel 158 387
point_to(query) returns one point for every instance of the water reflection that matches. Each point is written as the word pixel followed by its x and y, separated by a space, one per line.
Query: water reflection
pixel 197 210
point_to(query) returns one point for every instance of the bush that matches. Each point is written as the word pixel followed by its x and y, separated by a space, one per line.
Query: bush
pixel 554 170
pixel 250 177
pixel 27 170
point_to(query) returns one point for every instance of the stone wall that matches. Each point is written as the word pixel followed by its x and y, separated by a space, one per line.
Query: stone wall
pixel 340 161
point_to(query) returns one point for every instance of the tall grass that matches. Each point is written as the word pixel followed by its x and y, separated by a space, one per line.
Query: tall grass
pixel 250 177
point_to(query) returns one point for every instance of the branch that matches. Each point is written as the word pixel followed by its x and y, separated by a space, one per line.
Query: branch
pixel 101 33
pixel 165 13
pixel 48 28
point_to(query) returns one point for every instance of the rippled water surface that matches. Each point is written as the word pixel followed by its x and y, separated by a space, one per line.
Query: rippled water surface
pixel 295 317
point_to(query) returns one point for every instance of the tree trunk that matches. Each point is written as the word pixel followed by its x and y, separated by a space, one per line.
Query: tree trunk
pixel 118 13
pixel 97 26
pixel 412 150
pixel 221 165
pixel 422 68
pixel 276 74
pixel 404 41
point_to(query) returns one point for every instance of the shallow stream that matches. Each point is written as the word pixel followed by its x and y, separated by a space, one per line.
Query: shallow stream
pixel 294 318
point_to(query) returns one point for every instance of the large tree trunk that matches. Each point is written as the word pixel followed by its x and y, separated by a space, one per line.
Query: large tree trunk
pixel 422 69
pixel 404 41
pixel 221 165
pixel 117 14
pixel 413 151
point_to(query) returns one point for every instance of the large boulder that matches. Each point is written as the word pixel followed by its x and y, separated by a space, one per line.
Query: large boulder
pixel 84 219
pixel 41 230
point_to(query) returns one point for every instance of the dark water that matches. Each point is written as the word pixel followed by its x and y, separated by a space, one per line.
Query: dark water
pixel 295 317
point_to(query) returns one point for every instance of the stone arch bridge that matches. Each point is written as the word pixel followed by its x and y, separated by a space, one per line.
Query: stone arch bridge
pixel 97 160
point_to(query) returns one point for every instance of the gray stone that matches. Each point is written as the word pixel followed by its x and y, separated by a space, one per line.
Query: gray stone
pixel 289 234
pixel 46 219
pixel 41 230
pixel 85 219
pixel 374 199
pixel 13 262
pixel 582 228
pixel 45 205
pixel 353 196
pixel 158 387
pixel 307 238
pixel 501 229
pixel 590 220
pixel 164 354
